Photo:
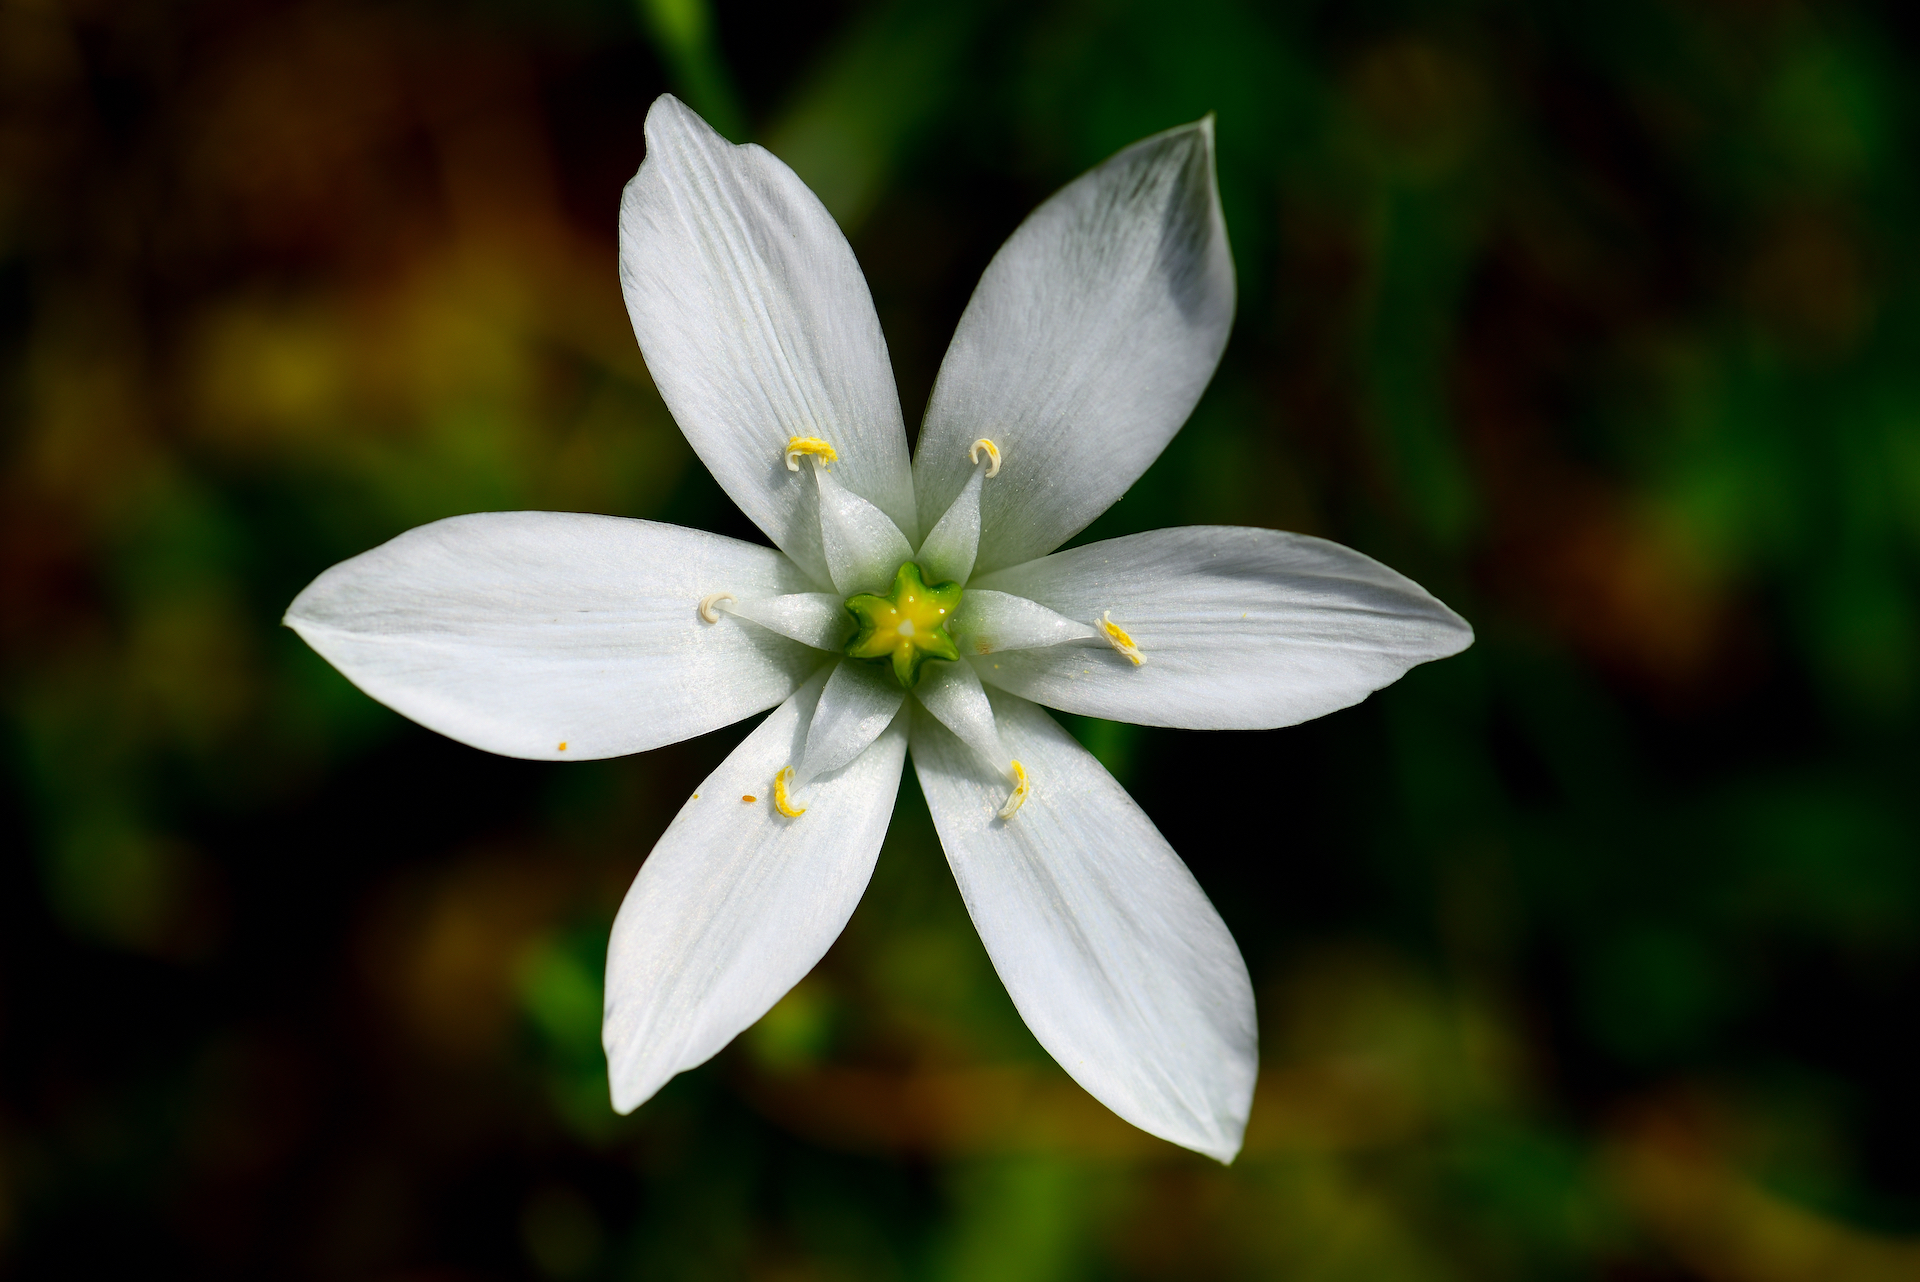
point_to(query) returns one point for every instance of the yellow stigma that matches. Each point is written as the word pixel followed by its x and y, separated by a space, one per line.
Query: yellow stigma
pixel 906 627
pixel 1021 785
pixel 993 455
pixel 1117 638
pixel 798 445
pixel 782 801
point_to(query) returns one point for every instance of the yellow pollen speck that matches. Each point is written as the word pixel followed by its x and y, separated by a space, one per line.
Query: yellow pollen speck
pixel 749 799
pixel 781 801
pixel 1117 638
pixel 562 747
pixel 696 796
pixel 993 455
pixel 1021 785
pixel 810 445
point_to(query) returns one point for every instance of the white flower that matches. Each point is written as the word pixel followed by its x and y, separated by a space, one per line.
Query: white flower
pixel 556 636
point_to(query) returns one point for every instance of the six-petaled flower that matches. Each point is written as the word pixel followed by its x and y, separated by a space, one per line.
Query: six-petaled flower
pixel 916 607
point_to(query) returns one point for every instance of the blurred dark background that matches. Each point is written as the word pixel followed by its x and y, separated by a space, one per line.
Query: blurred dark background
pixel 1589 954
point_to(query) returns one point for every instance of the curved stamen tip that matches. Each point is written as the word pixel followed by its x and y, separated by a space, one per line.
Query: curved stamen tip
pixel 709 601
pixel 782 799
pixel 1021 786
pixel 1117 638
pixel 809 445
pixel 993 455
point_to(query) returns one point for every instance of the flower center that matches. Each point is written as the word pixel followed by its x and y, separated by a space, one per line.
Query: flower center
pixel 907 626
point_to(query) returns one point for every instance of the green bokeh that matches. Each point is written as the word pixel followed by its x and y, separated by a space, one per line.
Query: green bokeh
pixel 1589 953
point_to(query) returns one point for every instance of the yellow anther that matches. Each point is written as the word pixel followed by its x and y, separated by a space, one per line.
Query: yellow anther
pixel 1117 638
pixel 993 455
pixel 813 445
pixel 1021 785
pixel 709 601
pixel 782 800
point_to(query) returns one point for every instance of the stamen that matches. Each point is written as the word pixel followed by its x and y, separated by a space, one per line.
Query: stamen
pixel 993 455
pixel 782 800
pixel 1117 638
pixel 813 445
pixel 1021 785
pixel 709 601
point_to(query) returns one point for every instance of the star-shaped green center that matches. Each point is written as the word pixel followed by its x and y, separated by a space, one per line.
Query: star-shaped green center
pixel 907 626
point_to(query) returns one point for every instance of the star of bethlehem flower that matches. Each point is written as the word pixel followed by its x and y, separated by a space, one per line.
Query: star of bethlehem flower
pixel 909 607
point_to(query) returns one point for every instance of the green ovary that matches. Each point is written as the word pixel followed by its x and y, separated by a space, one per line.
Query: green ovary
pixel 908 626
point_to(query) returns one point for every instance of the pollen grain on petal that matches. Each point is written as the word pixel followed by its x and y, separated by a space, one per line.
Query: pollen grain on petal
pixel 710 601
pixel 782 800
pixel 993 455
pixel 749 799
pixel 812 446
pixel 1117 638
pixel 562 747
pixel 1021 786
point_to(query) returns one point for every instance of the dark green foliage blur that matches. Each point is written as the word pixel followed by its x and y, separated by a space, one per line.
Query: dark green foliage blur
pixel 1591 953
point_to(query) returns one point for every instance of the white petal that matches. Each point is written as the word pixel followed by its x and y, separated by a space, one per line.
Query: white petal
pixel 858 704
pixel 1105 942
pixel 988 622
pixel 948 553
pixel 818 619
pixel 757 326
pixel 863 547
pixel 737 902
pixel 952 693
pixel 1240 629
pixel 1085 346
pixel 555 635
